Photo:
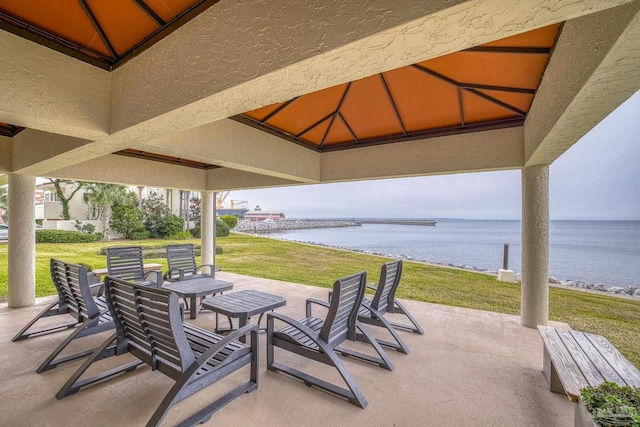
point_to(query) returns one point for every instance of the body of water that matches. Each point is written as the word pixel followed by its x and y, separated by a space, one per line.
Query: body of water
pixel 605 252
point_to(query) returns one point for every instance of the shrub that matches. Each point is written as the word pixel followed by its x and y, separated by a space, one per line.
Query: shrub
pixel 195 232
pixel 154 214
pixel 222 229
pixel 182 235
pixel 126 219
pixel 87 228
pixel 140 235
pixel 172 225
pixel 63 236
pixel 612 405
pixel 230 220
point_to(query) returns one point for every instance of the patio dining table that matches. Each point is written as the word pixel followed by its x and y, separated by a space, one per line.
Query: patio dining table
pixel 193 289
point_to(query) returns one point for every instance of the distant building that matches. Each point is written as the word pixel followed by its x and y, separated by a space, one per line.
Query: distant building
pixel 259 215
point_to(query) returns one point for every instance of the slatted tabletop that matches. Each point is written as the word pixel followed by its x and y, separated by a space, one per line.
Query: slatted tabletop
pixel 244 304
pixel 586 360
pixel 198 287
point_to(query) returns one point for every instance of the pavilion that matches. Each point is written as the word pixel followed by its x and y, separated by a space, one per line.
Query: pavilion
pixel 219 95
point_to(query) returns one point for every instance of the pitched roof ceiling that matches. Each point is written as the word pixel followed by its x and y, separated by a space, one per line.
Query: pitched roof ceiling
pixel 488 86
pixel 102 33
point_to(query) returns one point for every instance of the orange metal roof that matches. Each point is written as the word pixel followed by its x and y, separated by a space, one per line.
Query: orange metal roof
pixel 491 85
pixel 103 33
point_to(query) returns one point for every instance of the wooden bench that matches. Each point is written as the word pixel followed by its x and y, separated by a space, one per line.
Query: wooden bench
pixel 574 360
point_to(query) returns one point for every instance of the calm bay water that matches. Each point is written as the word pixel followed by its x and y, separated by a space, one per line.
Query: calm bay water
pixel 605 252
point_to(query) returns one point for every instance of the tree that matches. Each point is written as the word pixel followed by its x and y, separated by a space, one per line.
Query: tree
pixel 126 218
pixel 195 211
pixel 60 185
pixel 154 214
pixel 103 197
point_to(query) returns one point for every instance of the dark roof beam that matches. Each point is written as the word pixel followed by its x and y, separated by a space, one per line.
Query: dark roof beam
pixel 511 49
pixel 150 12
pixel 96 25
pixel 393 104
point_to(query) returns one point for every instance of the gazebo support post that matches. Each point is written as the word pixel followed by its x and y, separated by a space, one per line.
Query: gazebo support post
pixel 535 246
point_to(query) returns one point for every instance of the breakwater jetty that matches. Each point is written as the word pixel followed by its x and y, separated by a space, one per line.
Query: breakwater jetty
pixel 246 226
pixel 396 221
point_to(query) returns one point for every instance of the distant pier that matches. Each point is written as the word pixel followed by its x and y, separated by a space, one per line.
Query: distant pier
pixel 396 221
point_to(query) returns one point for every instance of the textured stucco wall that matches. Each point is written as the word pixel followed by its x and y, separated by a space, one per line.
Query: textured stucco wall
pixel 44 89
pixel 34 147
pixel 594 68
pixel 535 246
pixel 5 154
pixel 232 144
pixel 130 171
pixel 22 242
pixel 489 150
pixel 224 179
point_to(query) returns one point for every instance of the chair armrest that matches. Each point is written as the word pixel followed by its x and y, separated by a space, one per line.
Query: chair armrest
pixel 324 347
pixel 169 273
pixel 158 274
pixel 212 269
pixel 100 287
pixel 315 301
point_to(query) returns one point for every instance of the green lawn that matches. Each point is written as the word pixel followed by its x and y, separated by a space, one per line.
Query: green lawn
pixel 617 319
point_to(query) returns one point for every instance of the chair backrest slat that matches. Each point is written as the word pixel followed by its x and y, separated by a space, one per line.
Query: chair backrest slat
pixel 340 322
pixel 72 285
pixel 387 286
pixel 149 323
pixel 182 256
pixel 126 263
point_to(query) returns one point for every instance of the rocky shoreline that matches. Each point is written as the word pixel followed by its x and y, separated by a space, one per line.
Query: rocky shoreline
pixel 245 226
pixel 632 291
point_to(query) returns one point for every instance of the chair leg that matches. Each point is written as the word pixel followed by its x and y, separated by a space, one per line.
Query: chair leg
pixel 107 349
pixel 47 312
pixel 381 321
pixel 179 392
pixel 50 363
pixel 416 326
pixel 383 361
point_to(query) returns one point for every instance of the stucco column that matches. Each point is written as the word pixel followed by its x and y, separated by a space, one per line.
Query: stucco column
pixel 535 246
pixel 207 227
pixel 22 243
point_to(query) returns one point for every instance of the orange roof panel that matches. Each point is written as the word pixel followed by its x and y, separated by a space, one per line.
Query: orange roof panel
pixel 261 113
pixel 477 109
pixel 368 110
pixel 495 69
pixel 542 37
pixel 338 133
pixel 316 135
pixel 64 18
pixel 308 110
pixel 125 29
pixel 169 9
pixel 424 102
pixel 521 101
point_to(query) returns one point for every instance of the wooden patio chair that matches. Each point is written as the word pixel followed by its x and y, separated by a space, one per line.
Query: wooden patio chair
pixel 149 326
pixel 64 306
pixel 74 293
pixel 125 262
pixel 384 302
pixel 182 264
pixel 319 339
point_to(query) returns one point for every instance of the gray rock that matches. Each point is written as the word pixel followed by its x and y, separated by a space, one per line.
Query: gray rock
pixel 630 290
pixel 637 293
pixel 600 287
pixel 554 280
pixel 616 289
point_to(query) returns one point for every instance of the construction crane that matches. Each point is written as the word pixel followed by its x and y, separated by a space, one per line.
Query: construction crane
pixel 222 196
pixel 236 204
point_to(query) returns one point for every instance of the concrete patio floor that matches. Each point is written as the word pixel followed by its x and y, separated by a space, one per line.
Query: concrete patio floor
pixel 469 368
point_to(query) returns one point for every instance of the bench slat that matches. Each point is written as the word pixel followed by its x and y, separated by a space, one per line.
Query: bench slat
pixel 571 377
pixel 601 363
pixel 585 359
pixel 623 367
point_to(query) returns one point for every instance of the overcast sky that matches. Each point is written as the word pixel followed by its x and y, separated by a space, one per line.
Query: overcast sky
pixel 598 178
